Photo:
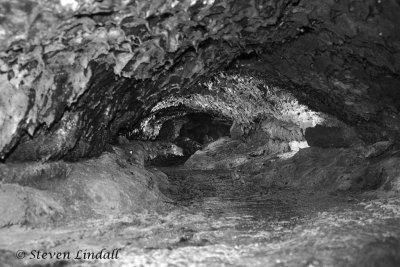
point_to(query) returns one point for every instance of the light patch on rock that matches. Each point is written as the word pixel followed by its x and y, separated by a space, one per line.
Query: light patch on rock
pixel 296 145
pixel 13 106
pixel 72 4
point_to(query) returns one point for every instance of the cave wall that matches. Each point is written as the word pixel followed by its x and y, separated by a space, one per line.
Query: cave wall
pixel 73 72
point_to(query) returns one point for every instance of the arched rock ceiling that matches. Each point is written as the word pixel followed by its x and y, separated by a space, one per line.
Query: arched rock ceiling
pixel 242 97
pixel 73 71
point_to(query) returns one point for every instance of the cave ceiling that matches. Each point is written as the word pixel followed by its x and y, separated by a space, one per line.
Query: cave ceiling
pixel 74 72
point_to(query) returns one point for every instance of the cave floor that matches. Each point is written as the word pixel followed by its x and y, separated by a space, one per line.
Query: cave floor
pixel 216 219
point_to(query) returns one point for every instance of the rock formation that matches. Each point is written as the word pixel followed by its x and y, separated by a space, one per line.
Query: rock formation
pixel 75 72
pixel 201 132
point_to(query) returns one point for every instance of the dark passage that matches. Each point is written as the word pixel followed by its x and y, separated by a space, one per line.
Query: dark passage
pixel 190 132
pixel 204 128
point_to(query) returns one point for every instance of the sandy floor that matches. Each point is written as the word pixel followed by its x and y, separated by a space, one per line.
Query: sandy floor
pixel 217 220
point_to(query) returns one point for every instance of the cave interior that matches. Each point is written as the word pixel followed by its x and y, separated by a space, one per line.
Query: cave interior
pixel 200 133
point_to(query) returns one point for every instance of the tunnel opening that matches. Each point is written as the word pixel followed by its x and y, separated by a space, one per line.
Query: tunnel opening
pixel 204 128
pixel 190 132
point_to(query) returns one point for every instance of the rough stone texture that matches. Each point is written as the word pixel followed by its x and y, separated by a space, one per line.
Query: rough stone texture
pixel 109 186
pixel 30 207
pixel 226 153
pixel 217 155
pixel 378 149
pixel 143 153
pixel 235 96
pixel 321 207
pixel 74 72
pixel 170 129
pixel 275 163
pixel 333 169
pixel 269 137
pixel 282 130
pixel 344 62
pixel 77 75
pixel 33 172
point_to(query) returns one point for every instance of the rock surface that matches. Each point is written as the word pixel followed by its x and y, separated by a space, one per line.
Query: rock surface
pixel 143 153
pixel 314 201
pixel 73 73
pixel 109 186
pixel 82 80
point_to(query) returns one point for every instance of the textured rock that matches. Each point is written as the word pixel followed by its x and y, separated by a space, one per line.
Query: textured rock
pixel 111 185
pixel 314 201
pixel 16 213
pixel 378 149
pixel 142 153
pixel 328 169
pixel 33 173
pixel 237 131
pixel 77 71
pixel 79 75
pixel 140 40
pixel 227 222
pixel 227 153
pixel 282 130
pixel 235 96
pixel 217 155
pixel 170 130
